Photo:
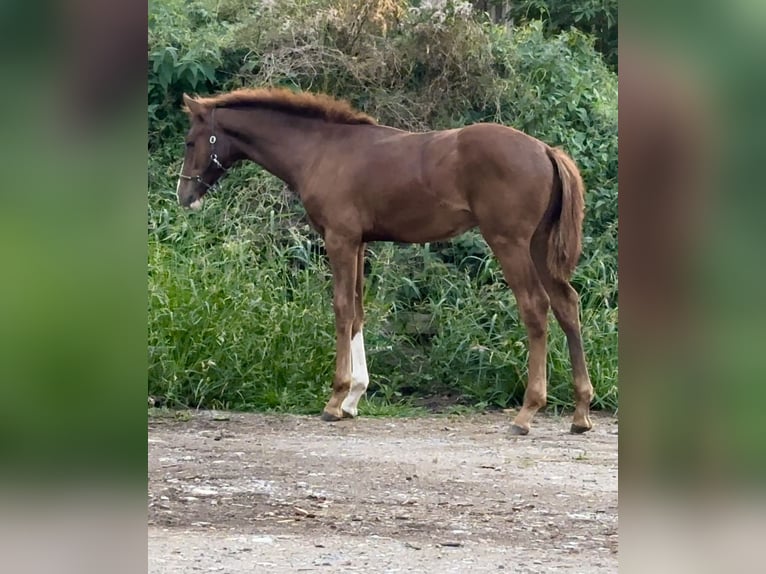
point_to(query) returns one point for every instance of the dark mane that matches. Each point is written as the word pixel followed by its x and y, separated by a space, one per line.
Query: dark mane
pixel 304 104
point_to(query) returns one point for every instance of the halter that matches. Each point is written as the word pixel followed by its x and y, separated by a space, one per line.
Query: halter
pixel 213 158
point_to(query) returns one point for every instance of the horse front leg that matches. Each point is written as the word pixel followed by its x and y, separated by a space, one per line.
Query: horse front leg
pixel 343 261
pixel 360 378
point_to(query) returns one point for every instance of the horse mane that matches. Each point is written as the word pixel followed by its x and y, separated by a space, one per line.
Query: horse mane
pixel 305 104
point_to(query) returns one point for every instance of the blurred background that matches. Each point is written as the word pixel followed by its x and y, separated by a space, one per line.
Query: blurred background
pixel 691 447
pixel 73 286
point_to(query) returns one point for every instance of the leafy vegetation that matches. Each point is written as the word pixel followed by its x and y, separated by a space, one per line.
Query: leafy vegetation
pixel 239 293
pixel 598 18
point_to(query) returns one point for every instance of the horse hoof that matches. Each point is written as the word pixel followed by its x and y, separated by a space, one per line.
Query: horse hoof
pixel 519 431
pixel 579 429
pixel 348 415
pixel 329 417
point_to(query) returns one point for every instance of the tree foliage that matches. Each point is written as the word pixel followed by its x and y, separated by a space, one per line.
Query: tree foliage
pixel 597 18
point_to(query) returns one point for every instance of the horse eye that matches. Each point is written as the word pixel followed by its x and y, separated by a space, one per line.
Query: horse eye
pixel 189 144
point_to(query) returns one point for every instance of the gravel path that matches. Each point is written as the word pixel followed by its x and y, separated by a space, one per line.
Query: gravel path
pixel 275 494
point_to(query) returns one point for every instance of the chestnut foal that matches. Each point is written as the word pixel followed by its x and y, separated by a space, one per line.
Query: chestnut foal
pixel 360 182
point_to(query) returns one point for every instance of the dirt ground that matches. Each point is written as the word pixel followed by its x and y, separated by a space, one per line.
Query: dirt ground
pixel 274 494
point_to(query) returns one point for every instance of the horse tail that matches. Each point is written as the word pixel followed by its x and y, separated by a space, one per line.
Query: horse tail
pixel 565 239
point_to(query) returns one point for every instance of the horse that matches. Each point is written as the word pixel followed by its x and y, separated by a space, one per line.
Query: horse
pixel 360 182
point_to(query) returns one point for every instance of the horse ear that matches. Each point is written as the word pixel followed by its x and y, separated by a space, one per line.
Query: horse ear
pixel 193 106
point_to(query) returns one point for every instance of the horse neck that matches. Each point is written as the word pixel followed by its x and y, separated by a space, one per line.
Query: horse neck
pixel 283 144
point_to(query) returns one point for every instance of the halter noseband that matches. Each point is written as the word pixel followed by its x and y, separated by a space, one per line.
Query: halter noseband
pixel 213 158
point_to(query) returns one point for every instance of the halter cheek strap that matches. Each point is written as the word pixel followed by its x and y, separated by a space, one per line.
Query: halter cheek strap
pixel 213 157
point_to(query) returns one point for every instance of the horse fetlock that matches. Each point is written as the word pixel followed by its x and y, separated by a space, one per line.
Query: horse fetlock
pixel 358 388
pixel 349 411
pixel 340 389
pixel 535 400
pixel 332 410
pixel 581 421
pixel 584 393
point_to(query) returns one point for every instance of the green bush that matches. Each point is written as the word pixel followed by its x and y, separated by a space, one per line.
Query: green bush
pixel 597 18
pixel 239 294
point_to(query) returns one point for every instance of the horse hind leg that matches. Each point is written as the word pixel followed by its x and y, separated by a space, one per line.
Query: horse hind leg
pixel 533 305
pixel 566 308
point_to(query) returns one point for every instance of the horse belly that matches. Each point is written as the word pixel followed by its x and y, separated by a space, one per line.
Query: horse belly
pixel 412 223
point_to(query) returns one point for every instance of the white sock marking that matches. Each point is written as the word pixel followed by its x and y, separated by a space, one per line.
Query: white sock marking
pixel 360 378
